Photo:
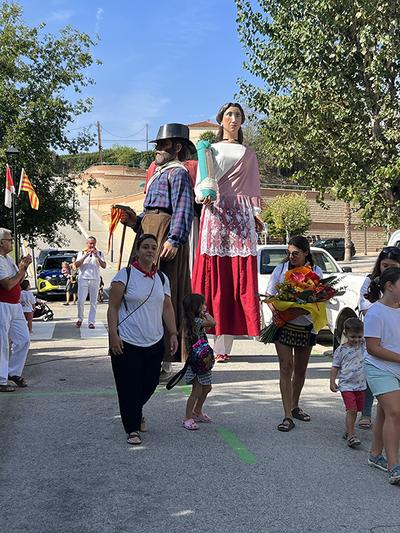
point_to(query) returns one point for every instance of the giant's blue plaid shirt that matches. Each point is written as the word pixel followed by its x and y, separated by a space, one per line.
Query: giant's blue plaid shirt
pixel 176 197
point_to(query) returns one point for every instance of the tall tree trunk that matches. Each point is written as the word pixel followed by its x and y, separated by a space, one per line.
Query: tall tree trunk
pixel 347 233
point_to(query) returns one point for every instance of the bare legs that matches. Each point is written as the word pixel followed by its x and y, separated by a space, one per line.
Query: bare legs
pixel 386 430
pixel 293 363
pixel 196 399
pixel 351 417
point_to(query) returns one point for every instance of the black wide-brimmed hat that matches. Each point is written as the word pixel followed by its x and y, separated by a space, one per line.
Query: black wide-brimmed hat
pixel 175 131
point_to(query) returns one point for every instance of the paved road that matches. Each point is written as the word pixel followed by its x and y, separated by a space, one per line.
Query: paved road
pixel 65 466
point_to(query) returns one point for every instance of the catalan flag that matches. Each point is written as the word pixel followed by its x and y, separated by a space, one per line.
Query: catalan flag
pixel 10 189
pixel 115 217
pixel 26 185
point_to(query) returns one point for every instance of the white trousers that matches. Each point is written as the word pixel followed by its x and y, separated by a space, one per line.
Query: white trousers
pixel 85 287
pixel 223 344
pixel 14 341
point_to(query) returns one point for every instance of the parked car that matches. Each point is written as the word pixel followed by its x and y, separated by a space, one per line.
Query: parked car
pixel 335 247
pixel 395 239
pixel 52 251
pixel 338 309
pixel 50 280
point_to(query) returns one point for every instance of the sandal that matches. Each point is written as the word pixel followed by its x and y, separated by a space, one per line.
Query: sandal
pixel 353 442
pixel 18 380
pixel 134 438
pixel 190 424
pixel 7 388
pixel 365 422
pixel 300 415
pixel 287 424
pixel 220 358
pixel 201 417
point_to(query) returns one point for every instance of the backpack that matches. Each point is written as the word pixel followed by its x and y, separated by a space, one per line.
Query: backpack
pixel 201 357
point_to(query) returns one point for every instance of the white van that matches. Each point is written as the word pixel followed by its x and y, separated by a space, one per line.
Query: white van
pixel 338 309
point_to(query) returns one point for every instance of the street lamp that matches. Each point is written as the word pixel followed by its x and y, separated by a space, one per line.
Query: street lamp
pixel 12 155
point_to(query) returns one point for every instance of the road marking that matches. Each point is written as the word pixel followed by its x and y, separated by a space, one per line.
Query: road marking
pixel 228 436
pixel 88 392
pixel 98 332
pixel 237 445
pixel 42 331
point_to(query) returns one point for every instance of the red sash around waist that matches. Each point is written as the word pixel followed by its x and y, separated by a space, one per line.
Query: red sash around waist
pixel 11 296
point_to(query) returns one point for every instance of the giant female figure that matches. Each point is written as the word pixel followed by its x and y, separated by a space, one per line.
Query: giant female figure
pixel 225 269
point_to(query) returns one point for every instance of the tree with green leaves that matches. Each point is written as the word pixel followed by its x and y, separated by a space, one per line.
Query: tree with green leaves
pixel 209 136
pixel 42 77
pixel 287 215
pixel 329 73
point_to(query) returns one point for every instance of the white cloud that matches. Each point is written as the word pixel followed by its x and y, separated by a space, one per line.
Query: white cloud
pixel 99 18
pixel 62 15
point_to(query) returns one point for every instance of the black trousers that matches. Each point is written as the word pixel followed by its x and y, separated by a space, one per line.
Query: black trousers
pixel 136 374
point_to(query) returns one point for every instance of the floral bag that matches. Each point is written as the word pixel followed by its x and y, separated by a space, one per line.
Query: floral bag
pixel 201 357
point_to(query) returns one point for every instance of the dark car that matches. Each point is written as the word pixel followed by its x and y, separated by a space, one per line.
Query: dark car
pixel 335 247
pixel 52 251
pixel 50 280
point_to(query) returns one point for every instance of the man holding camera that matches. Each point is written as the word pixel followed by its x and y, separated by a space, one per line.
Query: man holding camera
pixel 89 261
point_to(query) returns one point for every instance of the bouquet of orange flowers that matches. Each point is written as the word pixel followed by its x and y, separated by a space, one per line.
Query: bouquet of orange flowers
pixel 302 289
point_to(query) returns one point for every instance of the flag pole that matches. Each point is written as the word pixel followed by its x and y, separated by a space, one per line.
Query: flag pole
pixel 14 217
pixel 12 155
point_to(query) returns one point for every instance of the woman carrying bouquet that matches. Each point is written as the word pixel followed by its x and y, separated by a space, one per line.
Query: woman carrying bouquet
pixel 294 340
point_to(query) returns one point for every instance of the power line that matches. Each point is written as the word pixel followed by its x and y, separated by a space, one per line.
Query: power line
pixel 123 136
pixel 127 140
pixel 80 128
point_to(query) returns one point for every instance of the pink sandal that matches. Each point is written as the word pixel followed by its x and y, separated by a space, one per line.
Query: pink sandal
pixel 201 417
pixel 190 424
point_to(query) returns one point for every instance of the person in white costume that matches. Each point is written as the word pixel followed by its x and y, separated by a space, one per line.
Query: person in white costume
pixel 14 333
pixel 89 261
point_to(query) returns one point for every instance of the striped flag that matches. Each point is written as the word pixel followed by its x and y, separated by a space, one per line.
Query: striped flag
pixel 26 185
pixel 10 189
pixel 115 217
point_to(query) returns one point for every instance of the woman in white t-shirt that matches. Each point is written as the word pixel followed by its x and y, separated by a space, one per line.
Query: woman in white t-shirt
pixel 295 340
pixel 382 364
pixel 27 301
pixel 369 294
pixel 139 304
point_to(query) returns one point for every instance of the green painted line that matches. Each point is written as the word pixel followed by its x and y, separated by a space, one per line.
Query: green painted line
pixel 186 389
pixel 237 445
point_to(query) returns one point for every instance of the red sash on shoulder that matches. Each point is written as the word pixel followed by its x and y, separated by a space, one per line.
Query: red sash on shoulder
pixel 11 296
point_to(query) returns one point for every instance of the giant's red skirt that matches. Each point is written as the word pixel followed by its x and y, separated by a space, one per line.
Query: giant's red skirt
pixel 230 287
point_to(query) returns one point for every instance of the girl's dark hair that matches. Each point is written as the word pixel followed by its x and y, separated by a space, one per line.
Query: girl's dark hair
pixel 391 274
pixel 302 244
pixel 354 325
pixel 389 252
pixel 24 284
pixel 192 304
pixel 220 116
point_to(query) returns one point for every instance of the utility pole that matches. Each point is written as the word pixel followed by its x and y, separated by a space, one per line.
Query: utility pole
pixel 99 142
pixel 147 137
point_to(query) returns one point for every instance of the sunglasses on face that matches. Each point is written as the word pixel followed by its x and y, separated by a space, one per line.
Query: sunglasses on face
pixel 294 254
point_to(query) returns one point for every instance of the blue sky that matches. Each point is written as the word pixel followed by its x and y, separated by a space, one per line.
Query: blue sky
pixel 163 60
